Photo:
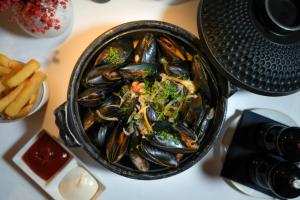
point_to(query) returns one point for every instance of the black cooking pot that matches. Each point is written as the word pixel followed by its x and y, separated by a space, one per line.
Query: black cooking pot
pixel 68 115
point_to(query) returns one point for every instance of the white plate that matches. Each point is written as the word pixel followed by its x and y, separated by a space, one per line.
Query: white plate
pixel 269 113
pixel 51 186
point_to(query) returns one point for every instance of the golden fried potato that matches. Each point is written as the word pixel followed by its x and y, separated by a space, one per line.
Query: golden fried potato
pixel 4 60
pixel 14 64
pixel 2 88
pixel 4 70
pixel 28 108
pixel 10 97
pixel 22 74
pixel 30 88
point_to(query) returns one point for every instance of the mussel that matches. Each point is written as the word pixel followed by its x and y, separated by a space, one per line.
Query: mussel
pixel 157 155
pixel 117 144
pixel 171 50
pixel 117 52
pixel 99 137
pixel 194 111
pixel 146 50
pixel 139 162
pixel 103 75
pixel 200 77
pixel 205 122
pixel 110 113
pixel 152 115
pixel 175 140
pixel 89 119
pixel 135 71
pixel 179 69
pixel 92 97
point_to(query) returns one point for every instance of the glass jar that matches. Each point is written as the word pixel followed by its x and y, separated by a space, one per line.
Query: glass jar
pixel 61 13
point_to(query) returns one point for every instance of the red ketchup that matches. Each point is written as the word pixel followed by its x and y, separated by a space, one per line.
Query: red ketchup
pixel 46 157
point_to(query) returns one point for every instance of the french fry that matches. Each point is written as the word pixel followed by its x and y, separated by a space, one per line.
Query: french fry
pixel 4 60
pixel 30 88
pixel 2 88
pixel 14 64
pixel 4 70
pixel 6 100
pixel 22 74
pixel 28 108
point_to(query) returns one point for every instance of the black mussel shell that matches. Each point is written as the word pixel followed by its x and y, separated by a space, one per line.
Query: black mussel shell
pixel 170 50
pixel 90 118
pixel 100 135
pixel 117 144
pixel 180 70
pixel 103 75
pixel 117 52
pixel 195 111
pixel 152 116
pixel 136 71
pixel 146 50
pixel 200 76
pixel 92 97
pixel 182 129
pixel 139 162
pixel 110 113
pixel 205 122
pixel 156 155
pixel 175 140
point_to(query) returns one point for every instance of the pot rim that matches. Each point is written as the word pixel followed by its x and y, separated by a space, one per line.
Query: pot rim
pixel 93 48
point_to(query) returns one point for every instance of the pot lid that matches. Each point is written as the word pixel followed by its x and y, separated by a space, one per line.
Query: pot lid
pixel 255 44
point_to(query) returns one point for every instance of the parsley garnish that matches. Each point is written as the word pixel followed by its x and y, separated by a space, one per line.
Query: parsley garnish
pixel 166 136
pixel 113 56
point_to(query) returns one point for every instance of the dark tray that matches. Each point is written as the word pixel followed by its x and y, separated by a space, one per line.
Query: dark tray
pixel 243 148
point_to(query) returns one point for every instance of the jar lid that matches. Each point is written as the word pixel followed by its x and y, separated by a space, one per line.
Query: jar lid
pixel 255 44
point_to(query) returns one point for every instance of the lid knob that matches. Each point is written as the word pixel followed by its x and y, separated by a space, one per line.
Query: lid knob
pixel 280 16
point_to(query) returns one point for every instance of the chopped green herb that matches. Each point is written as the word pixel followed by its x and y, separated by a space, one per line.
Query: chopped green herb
pixel 147 84
pixel 149 70
pixel 167 136
pixel 113 56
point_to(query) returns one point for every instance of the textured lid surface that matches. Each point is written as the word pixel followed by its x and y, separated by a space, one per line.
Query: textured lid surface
pixel 248 49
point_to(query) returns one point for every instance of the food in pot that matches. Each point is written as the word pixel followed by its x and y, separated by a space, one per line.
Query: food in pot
pixel 78 184
pixel 146 100
pixel 19 87
pixel 46 157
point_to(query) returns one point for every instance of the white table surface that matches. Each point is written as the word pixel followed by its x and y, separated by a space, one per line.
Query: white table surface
pixel 201 181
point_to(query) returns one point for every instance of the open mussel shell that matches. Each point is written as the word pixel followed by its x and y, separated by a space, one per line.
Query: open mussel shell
pixel 117 52
pixel 205 122
pixel 194 111
pixel 169 49
pixel 104 75
pixel 175 140
pixel 117 144
pixel 89 119
pixel 180 69
pixel 156 155
pixel 110 113
pixel 139 162
pixel 92 97
pixel 146 50
pixel 136 71
pixel 200 77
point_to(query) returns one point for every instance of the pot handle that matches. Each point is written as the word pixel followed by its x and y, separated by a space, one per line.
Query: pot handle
pixel 232 89
pixel 62 123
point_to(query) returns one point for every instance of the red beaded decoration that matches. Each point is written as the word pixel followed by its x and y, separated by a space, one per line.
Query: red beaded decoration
pixel 29 12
